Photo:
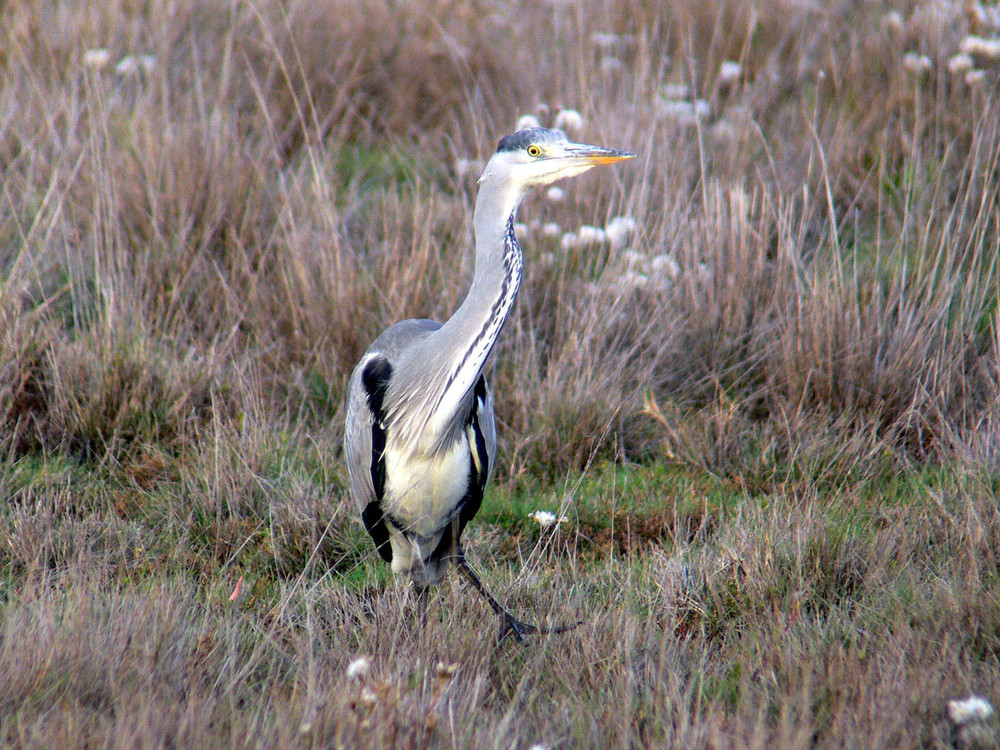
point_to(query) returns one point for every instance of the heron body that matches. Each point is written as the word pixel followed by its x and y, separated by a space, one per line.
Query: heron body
pixel 412 494
pixel 420 437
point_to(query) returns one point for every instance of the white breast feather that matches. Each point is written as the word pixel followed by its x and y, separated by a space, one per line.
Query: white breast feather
pixel 422 491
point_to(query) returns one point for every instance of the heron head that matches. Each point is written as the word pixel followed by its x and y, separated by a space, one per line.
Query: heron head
pixel 539 156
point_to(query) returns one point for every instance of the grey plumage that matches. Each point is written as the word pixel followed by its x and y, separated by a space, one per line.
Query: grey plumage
pixel 427 528
pixel 420 439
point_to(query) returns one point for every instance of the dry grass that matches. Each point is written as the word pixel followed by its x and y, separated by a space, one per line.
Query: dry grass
pixel 773 415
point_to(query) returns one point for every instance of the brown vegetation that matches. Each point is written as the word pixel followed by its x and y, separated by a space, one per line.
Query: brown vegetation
pixel 784 385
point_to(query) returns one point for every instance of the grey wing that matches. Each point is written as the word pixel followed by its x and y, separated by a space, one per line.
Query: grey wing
pixel 364 444
pixel 366 394
pixel 358 441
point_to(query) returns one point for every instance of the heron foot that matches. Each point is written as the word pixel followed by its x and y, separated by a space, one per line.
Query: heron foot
pixel 511 626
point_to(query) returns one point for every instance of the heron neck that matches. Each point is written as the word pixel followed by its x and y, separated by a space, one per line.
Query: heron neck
pixel 470 334
pixel 497 276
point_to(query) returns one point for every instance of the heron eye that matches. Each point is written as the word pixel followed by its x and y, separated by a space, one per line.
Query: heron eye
pixel 534 151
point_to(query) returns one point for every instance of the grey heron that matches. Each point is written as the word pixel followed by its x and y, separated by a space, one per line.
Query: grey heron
pixel 420 438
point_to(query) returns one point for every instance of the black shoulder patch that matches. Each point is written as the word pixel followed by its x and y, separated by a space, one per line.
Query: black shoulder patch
pixel 375 379
pixel 374 521
pixel 477 479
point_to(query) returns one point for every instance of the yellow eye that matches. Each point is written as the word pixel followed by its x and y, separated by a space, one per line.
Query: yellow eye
pixel 534 151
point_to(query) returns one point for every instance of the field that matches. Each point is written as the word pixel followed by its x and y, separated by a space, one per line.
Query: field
pixel 756 368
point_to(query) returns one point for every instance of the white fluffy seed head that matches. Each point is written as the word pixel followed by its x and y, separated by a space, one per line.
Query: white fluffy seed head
pixel 132 64
pixel 468 167
pixel 981 46
pixel 683 112
pixel 665 265
pixel 633 259
pixel 569 120
pixel 591 235
pixel 358 668
pixel 968 710
pixel 959 63
pixel 527 121
pixel 619 230
pixel 729 71
pixel 974 77
pixel 605 41
pixel 545 519
pixel 893 22
pixel 97 58
pixel 676 91
pixel 916 63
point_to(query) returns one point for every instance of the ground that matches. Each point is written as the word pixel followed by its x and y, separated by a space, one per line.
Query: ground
pixel 756 369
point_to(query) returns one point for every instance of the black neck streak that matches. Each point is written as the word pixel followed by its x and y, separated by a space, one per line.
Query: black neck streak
pixel 502 305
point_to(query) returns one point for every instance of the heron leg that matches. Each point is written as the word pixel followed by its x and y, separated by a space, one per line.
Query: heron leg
pixel 509 625
pixel 423 596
